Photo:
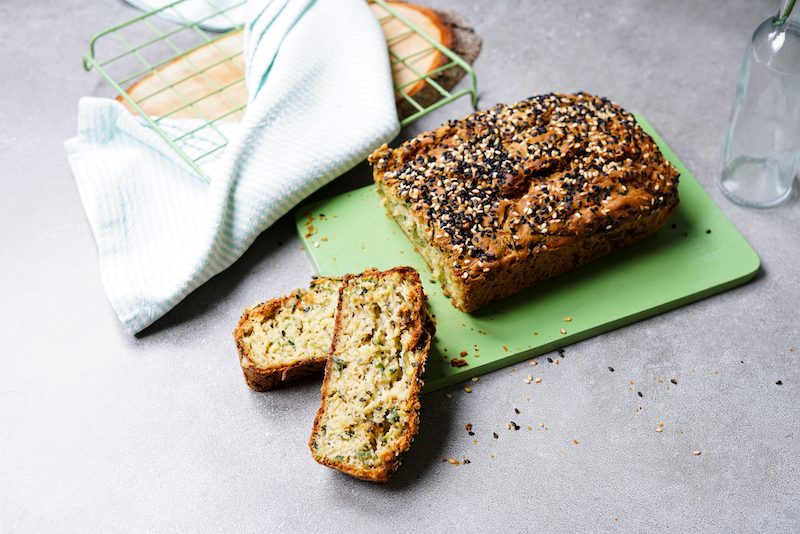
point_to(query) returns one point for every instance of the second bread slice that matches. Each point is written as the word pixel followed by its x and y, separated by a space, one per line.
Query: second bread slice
pixel 370 397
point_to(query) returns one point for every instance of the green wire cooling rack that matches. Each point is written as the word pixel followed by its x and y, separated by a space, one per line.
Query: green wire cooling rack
pixel 166 70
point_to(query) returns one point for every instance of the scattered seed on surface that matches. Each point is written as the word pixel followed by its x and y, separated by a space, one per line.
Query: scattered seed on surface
pixel 610 368
pixel 448 395
pixel 471 433
pixel 533 363
pixel 696 453
pixel 567 319
pixel 538 380
pixel 563 331
pixel 550 360
pixel 659 429
pixel 466 461
pixel 495 437
pixel 467 389
pixel 708 231
pixel 779 383
pixel 515 425
pixel 469 426
pixel 674 381
pixel 639 393
pixel 575 441
pixel 508 426
pixel 516 410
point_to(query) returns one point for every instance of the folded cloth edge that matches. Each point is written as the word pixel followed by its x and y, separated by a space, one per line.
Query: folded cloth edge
pixel 224 238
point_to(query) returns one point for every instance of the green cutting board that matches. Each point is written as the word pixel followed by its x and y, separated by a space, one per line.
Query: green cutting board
pixel 696 254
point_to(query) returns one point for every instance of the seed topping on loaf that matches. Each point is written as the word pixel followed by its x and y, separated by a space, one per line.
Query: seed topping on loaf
pixel 504 184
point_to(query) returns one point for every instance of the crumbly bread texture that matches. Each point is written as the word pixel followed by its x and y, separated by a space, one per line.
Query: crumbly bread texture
pixel 370 397
pixel 289 337
pixel 508 197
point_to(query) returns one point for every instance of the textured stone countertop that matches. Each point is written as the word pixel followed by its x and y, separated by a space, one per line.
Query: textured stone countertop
pixel 101 431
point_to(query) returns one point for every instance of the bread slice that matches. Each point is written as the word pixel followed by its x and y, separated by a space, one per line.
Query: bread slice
pixel 505 198
pixel 288 338
pixel 370 397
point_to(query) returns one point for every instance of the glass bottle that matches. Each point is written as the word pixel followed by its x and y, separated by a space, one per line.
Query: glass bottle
pixel 761 150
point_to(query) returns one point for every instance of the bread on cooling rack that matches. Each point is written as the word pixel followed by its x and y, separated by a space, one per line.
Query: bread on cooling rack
pixel 288 338
pixel 370 396
pixel 505 198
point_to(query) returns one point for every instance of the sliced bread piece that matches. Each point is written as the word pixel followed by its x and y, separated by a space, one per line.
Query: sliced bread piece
pixel 370 397
pixel 289 337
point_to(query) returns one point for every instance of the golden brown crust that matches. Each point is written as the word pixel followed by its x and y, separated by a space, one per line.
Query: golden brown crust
pixel 422 329
pixel 517 194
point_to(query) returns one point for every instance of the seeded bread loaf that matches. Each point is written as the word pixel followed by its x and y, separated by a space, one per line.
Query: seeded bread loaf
pixel 508 197
pixel 370 396
pixel 289 337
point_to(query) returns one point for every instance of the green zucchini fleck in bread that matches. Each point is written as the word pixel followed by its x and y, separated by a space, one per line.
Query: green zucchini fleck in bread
pixel 373 378
pixel 288 338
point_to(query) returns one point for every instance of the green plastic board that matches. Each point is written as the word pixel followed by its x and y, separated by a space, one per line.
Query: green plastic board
pixel 681 263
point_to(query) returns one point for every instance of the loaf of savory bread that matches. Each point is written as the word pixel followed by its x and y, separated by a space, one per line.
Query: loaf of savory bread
pixel 505 198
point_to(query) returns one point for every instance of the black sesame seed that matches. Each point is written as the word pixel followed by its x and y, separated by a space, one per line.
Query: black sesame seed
pixel 674 381
pixel 550 360
pixel 467 461
pixel 610 368
pixel 779 383
pixel 708 231
pixel 516 410
pixel 639 393
pixel 495 435
pixel 471 433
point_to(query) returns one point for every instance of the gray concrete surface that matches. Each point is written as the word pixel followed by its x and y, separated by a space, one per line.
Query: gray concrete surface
pixel 101 431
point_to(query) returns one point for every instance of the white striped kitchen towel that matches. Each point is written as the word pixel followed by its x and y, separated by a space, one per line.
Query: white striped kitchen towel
pixel 320 99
